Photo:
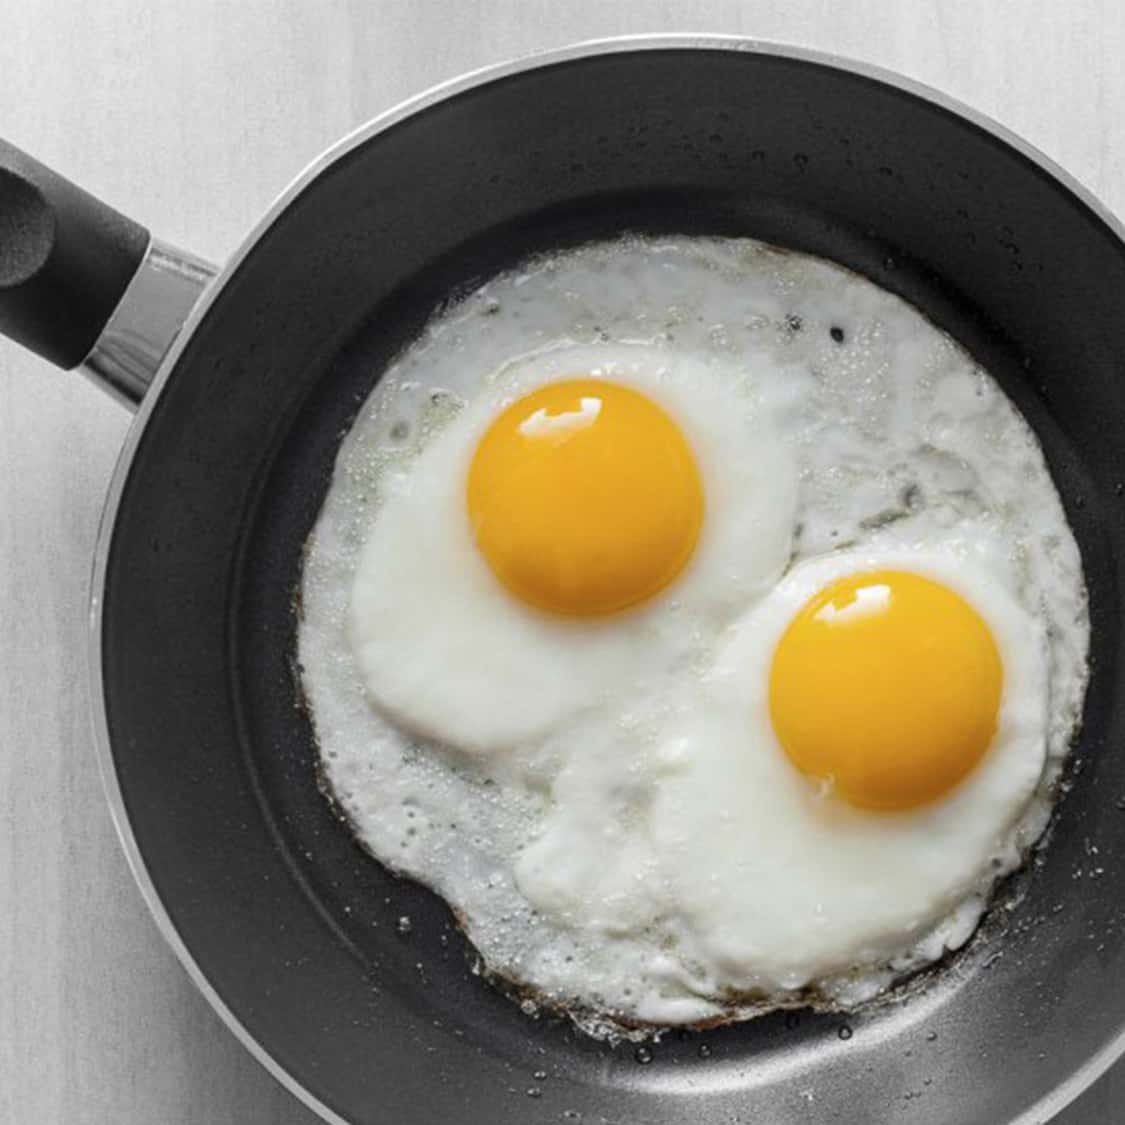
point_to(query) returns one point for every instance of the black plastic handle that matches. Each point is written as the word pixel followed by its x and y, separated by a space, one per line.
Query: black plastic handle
pixel 65 259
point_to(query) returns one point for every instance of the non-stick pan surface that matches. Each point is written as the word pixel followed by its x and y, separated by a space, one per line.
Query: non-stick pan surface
pixel 289 925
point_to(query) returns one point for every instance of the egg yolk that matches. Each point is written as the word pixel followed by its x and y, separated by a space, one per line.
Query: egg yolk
pixel 886 685
pixel 584 498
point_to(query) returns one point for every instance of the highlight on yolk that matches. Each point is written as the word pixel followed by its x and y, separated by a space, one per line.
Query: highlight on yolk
pixel 887 685
pixel 584 498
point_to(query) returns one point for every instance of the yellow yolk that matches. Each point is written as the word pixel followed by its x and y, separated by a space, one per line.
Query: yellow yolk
pixel 887 686
pixel 584 498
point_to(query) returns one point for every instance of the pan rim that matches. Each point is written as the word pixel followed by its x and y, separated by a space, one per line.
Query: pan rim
pixel 1050 1103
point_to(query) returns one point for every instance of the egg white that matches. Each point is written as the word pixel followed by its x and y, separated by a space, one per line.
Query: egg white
pixel 450 654
pixel 565 855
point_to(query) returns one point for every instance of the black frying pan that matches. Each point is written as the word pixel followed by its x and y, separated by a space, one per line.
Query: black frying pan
pixel 278 915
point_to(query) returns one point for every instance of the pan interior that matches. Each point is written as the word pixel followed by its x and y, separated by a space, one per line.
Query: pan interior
pixel 303 933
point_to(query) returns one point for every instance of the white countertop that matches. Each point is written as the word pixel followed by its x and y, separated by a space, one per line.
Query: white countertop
pixel 191 117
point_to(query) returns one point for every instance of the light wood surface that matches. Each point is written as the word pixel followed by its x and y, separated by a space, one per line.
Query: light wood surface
pixel 192 116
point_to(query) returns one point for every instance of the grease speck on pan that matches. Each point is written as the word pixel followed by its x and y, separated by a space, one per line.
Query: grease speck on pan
pixel 594 774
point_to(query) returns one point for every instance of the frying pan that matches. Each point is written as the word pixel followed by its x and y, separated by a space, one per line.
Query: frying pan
pixel 244 383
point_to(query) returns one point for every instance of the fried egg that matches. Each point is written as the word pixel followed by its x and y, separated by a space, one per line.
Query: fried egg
pixel 870 737
pixel 577 639
pixel 586 523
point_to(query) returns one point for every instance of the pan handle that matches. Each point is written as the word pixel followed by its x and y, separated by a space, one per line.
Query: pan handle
pixel 84 286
